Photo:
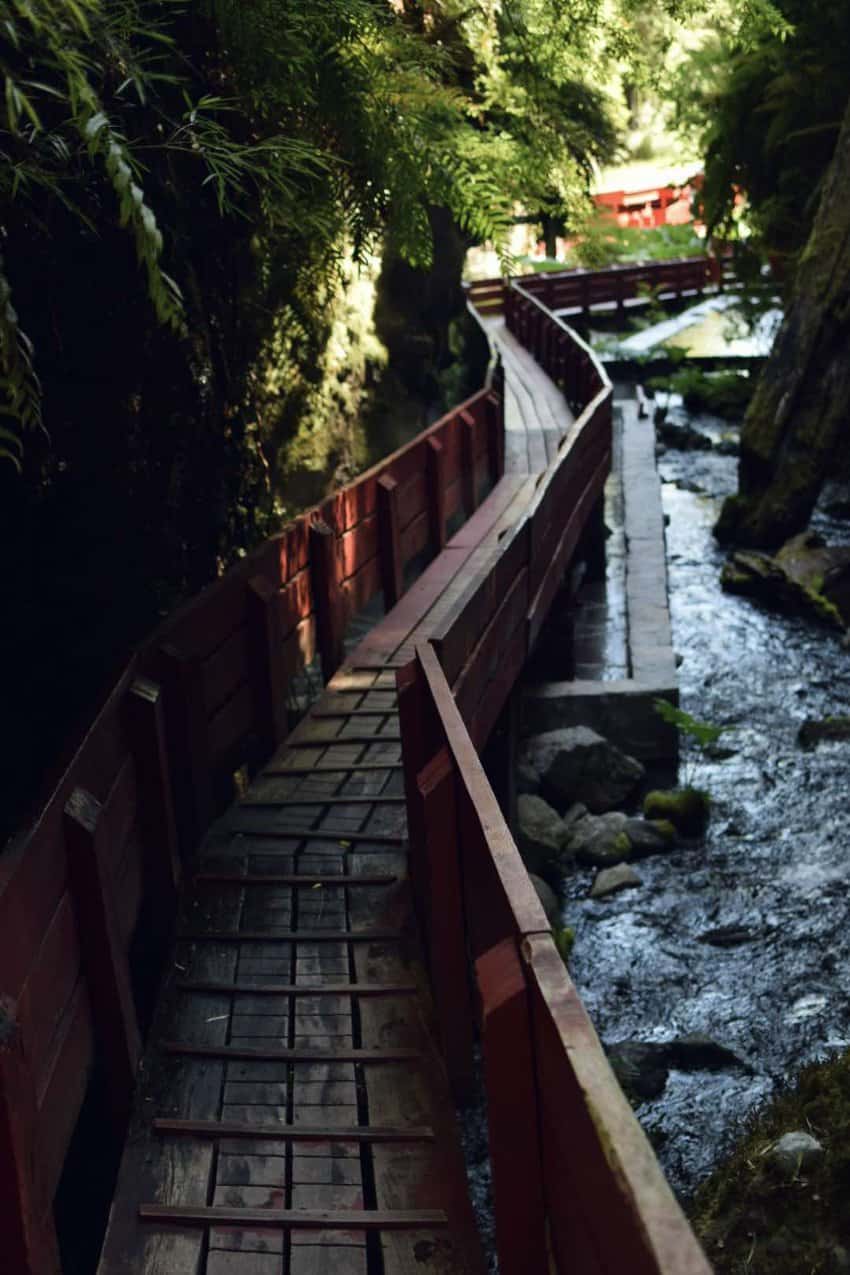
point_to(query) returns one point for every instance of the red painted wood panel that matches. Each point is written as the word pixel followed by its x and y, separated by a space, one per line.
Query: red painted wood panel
pixel 296 601
pixel 47 991
pixel 225 669
pixel 230 726
pixel 64 1083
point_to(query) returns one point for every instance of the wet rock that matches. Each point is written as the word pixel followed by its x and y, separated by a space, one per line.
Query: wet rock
pixel 542 835
pixel 577 764
pixel 805 577
pixel 548 898
pixel 612 880
pixel 727 446
pixel 650 836
pixel 683 438
pixel 727 936
pixel 700 1053
pixel 575 812
pixel 795 1151
pixel 687 809
pixel 813 731
pixel 640 1067
pixel 527 778
pixel 600 840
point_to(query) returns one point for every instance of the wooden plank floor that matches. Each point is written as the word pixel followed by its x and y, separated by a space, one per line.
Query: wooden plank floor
pixel 292 1065
pixel 536 414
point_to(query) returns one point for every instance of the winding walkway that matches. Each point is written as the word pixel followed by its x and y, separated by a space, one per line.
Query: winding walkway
pixel 292 1068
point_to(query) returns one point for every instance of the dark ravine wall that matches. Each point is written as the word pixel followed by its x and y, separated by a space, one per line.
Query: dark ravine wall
pixel 795 433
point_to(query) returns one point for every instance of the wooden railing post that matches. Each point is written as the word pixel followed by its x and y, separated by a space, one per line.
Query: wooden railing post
pixel 389 541
pixel 493 405
pixel 512 1112
pixel 188 745
pixel 447 957
pixel 26 1212
pixel 143 712
pixel 265 647
pixel 435 486
pixel 104 959
pixel 468 485
pixel 327 595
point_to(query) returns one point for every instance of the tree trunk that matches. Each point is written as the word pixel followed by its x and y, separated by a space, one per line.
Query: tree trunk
pixel 795 433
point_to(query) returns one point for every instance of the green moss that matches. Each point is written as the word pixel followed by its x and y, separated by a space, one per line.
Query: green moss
pixel 687 809
pixel 824 609
pixel 621 845
pixel 564 938
pixel 751 1217
pixel 724 394
pixel 666 829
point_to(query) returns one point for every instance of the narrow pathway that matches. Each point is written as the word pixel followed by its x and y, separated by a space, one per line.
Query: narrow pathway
pixel 292 1070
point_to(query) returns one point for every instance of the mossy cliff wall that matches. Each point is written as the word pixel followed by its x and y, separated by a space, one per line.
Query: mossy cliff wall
pixel 795 432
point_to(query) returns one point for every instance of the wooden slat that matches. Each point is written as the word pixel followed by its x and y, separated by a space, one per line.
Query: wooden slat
pixel 290 936
pixel 320 834
pixel 299 989
pixel 289 1133
pixel 308 881
pixel 302 1219
pixel 241 1053
pixel 353 767
pixel 386 737
pixel 340 799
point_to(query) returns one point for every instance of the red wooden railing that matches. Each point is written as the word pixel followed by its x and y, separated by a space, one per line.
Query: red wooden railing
pixel 576 1185
pixel 579 290
pixel 205 695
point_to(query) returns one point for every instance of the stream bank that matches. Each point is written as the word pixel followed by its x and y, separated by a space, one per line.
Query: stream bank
pixel 737 937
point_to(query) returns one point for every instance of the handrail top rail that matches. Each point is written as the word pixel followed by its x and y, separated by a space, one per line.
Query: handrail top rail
pixel 516 286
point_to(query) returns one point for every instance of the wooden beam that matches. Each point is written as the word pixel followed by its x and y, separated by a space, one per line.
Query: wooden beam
pixel 322 801
pixel 468 485
pixel 305 880
pixel 319 834
pixel 357 767
pixel 446 941
pixel 291 936
pixel 389 540
pixel 289 1133
pixel 29 1241
pixel 241 1053
pixel 188 745
pixel 309 741
pixel 296 1219
pixel 145 723
pixel 104 959
pixel 435 486
pixel 327 714
pixel 266 667
pixel 327 596
pixel 299 989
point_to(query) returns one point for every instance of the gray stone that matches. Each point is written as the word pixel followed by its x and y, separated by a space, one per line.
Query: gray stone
pixel 600 840
pixel 795 1151
pixel 542 835
pixel 527 778
pixel 575 812
pixel 648 837
pixel 640 1067
pixel 576 764
pixel 700 1053
pixel 611 880
pixel 622 710
pixel 548 898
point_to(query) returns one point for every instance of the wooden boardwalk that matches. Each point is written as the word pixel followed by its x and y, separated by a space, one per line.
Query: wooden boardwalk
pixel 293 1069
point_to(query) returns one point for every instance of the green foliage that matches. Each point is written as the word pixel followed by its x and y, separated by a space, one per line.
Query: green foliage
pixel 725 394
pixel 763 96
pixel 702 733
pixel 564 938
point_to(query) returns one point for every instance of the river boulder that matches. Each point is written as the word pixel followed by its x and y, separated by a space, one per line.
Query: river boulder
pixel 577 764
pixel 542 836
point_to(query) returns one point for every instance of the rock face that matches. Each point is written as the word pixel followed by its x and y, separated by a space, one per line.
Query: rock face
pixel 612 880
pixel 576 764
pixel 642 1067
pixel 805 577
pixel 683 438
pixel 795 1151
pixel 542 835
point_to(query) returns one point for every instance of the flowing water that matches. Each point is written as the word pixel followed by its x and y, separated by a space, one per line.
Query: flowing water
pixel 771 873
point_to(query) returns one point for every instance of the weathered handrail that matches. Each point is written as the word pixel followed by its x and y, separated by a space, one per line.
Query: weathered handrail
pixel 205 694
pixel 572 1170
pixel 579 290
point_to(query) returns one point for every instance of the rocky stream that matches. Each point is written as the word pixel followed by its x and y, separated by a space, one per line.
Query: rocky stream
pixel 725 967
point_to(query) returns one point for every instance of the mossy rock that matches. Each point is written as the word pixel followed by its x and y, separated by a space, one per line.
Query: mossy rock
pixel 564 938
pixel 687 809
pixel 753 1217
